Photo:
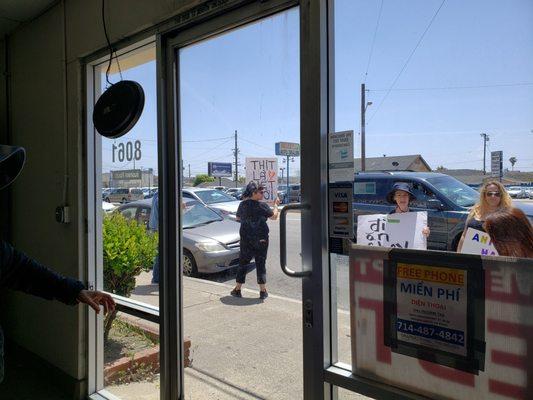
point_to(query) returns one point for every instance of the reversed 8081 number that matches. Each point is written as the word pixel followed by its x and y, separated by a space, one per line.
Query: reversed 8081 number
pixel 437 333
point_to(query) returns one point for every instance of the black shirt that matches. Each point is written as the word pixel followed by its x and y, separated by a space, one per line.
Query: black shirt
pixel 253 215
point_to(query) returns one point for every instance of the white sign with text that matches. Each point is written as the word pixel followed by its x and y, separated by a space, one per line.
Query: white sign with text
pixel 402 231
pixel 264 171
pixel 479 243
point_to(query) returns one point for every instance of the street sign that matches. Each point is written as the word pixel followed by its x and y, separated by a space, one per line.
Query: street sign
pixel 496 163
pixel 126 175
pixel 219 169
pixel 288 149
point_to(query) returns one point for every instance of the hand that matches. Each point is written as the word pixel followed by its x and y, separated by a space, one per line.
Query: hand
pixel 426 231
pixel 94 298
pixel 277 201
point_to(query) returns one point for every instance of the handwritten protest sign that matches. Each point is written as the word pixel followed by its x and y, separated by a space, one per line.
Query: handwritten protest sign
pixel 393 230
pixel 478 242
pixel 264 171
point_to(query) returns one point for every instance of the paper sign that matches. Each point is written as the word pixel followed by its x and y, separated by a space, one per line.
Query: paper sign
pixel 393 230
pixel 341 164
pixel 264 171
pixel 479 243
pixel 432 307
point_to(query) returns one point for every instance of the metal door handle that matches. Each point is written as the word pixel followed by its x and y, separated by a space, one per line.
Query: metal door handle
pixel 283 240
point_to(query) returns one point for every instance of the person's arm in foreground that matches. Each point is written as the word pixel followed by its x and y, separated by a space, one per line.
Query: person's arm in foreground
pixel 20 272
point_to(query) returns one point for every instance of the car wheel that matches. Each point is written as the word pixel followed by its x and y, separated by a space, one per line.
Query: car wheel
pixel 107 200
pixel 189 265
pixel 124 201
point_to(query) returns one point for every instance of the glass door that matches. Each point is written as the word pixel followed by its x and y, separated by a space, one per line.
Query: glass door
pixel 234 94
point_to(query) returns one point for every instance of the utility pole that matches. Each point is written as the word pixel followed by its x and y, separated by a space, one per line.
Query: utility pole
pixel 363 110
pixel 282 173
pixel 189 171
pixel 236 154
pixel 486 138
pixel 288 182
pixel 364 105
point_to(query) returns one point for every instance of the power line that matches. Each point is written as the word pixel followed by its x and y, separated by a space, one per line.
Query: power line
pixel 373 41
pixel 407 61
pixel 257 144
pixel 454 87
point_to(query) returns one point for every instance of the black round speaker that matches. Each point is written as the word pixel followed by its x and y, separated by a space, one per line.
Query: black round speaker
pixel 118 109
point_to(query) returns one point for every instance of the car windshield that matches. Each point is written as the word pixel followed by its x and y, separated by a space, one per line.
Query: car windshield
pixel 213 196
pixel 196 214
pixel 455 191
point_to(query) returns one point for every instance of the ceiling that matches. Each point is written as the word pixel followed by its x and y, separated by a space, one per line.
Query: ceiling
pixel 16 12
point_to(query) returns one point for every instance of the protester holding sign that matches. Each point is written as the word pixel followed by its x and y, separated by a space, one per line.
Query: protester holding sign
pixel 493 197
pixel 253 214
pixel 511 233
pixel 401 196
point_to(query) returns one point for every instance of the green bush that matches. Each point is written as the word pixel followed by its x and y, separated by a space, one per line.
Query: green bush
pixel 201 178
pixel 129 249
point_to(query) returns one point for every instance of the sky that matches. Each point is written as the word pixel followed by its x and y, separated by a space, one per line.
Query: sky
pixel 438 74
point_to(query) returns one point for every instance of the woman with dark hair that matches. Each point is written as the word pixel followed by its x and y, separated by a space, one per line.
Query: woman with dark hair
pixel 510 232
pixel 253 214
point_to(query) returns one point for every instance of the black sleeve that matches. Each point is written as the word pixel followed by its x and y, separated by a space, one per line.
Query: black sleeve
pixel 266 210
pixel 239 209
pixel 19 272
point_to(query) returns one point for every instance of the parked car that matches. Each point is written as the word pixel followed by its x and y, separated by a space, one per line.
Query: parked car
pixel 108 207
pixel 105 192
pixel 221 188
pixel 230 191
pixel 210 242
pixel 517 192
pixel 294 193
pixel 446 200
pixel 124 195
pixel 223 203
pixel 282 194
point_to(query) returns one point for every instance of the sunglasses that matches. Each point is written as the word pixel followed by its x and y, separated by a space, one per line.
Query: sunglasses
pixel 493 194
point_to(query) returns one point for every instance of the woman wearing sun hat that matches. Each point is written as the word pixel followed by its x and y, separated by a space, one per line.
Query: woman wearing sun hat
pixel 401 195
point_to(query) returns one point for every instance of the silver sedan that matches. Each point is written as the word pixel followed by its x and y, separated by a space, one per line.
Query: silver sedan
pixel 210 242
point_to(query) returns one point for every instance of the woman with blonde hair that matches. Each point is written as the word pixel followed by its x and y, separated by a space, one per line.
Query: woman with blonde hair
pixel 492 197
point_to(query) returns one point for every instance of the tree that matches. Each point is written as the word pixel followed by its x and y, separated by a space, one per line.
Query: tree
pixel 128 250
pixel 242 179
pixel 513 161
pixel 441 168
pixel 201 178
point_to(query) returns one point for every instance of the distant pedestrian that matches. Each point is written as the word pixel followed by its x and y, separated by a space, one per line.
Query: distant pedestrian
pixel 492 197
pixel 253 214
pixel 401 195
pixel 510 232
pixel 153 225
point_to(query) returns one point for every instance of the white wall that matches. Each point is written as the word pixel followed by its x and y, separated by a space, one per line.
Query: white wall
pixel 51 330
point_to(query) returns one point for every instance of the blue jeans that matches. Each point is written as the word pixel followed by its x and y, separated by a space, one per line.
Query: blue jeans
pixel 155 270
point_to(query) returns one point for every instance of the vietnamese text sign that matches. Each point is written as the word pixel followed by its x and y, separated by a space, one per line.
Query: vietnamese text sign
pixel 393 230
pixel 478 242
pixel 340 210
pixel 432 307
pixel 219 169
pixel 287 149
pixel 126 175
pixel 264 171
pixel 341 164
pixel 508 289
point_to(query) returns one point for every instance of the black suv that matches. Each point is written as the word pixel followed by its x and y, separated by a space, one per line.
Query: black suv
pixel 446 200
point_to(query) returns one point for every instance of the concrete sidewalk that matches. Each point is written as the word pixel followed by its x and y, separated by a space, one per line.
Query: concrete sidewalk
pixel 241 348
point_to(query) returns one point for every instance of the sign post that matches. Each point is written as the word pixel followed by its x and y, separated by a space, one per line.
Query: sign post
pixel 496 164
pixel 219 170
pixel 287 149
